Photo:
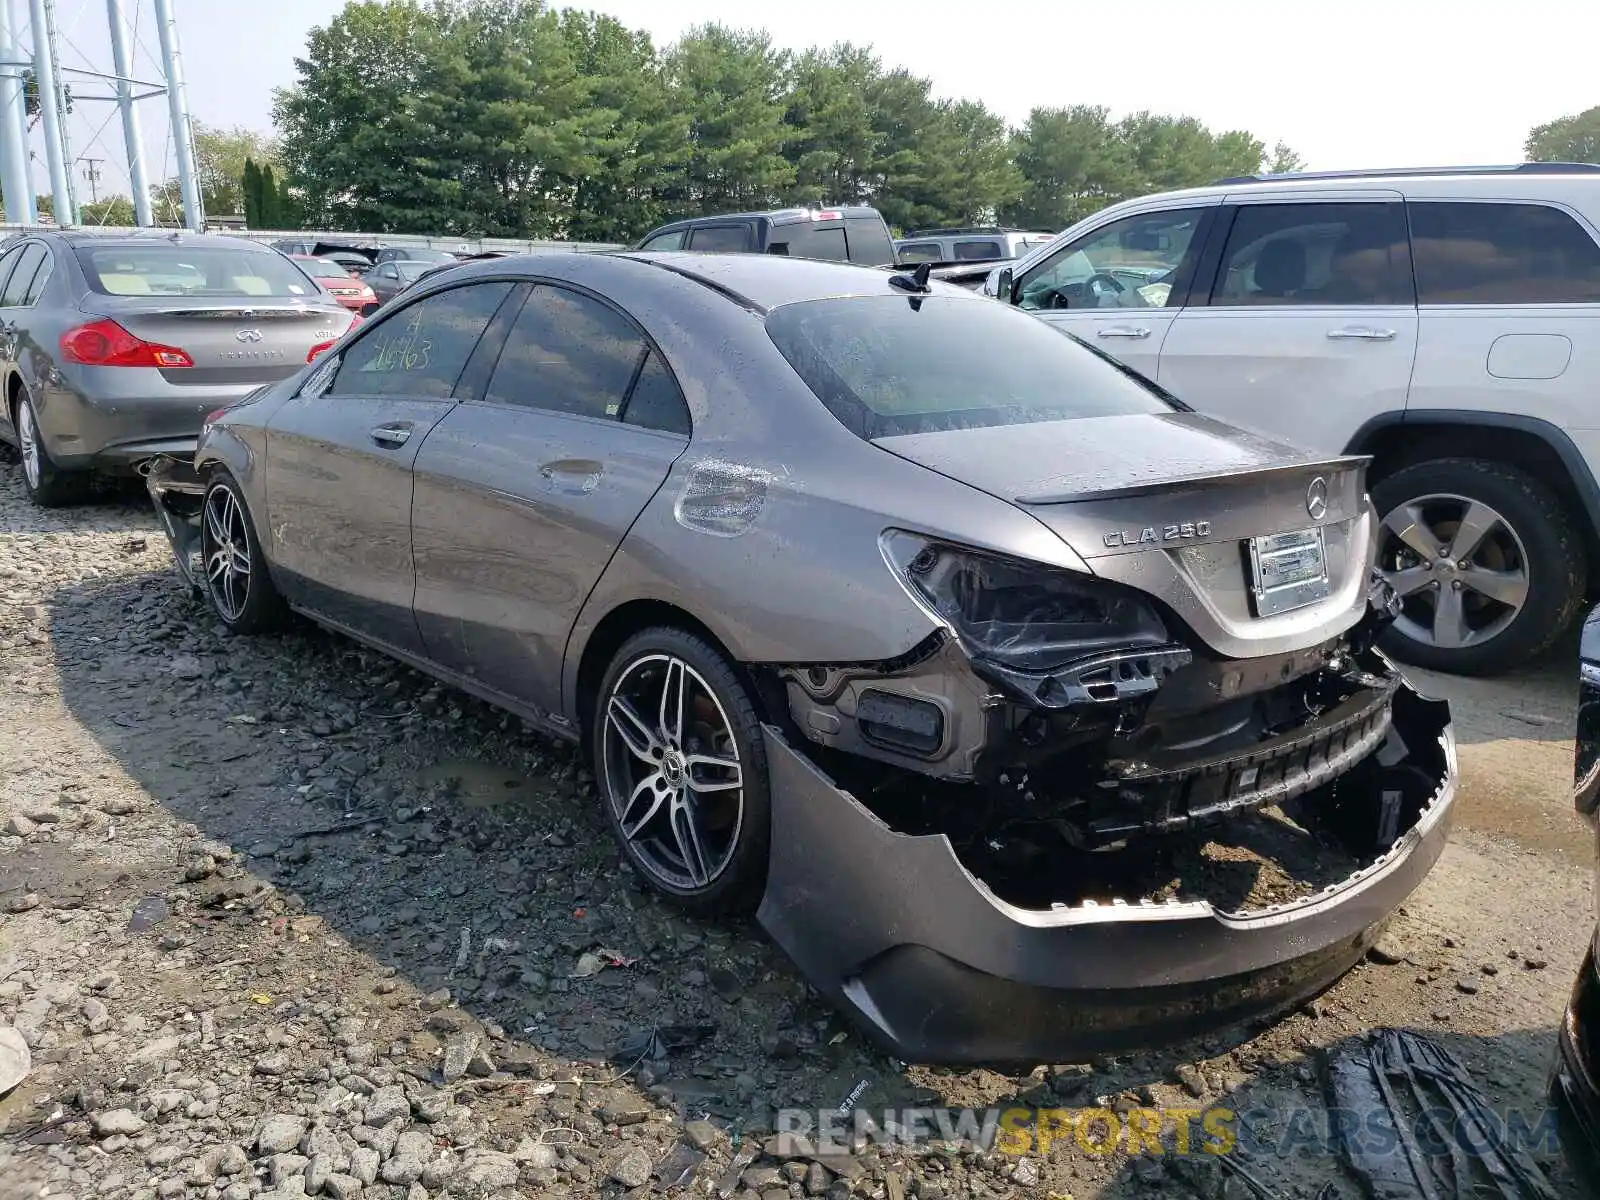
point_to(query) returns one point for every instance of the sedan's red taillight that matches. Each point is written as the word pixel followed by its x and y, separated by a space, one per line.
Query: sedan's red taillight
pixel 318 349
pixel 106 344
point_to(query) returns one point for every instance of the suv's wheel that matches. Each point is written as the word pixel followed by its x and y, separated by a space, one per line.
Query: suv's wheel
pixel 1489 567
pixel 234 571
pixel 47 485
pixel 682 771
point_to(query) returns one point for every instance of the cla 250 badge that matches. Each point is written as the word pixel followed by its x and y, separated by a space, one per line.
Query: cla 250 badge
pixel 1152 535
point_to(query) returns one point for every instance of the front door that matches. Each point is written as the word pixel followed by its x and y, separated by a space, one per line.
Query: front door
pixel 339 458
pixel 1119 286
pixel 524 492
pixel 1308 326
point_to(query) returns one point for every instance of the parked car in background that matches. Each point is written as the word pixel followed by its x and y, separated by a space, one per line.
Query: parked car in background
pixel 855 235
pixel 1575 1079
pixel 349 289
pixel 1446 322
pixel 545 479
pixel 113 348
pixel 388 279
pixel 413 254
pixel 977 243
pixel 356 263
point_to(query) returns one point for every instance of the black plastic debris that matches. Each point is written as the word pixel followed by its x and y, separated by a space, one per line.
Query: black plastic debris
pixel 678 1169
pixel 1447 1143
pixel 149 912
pixel 659 1042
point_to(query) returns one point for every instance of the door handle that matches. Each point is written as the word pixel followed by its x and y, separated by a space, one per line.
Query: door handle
pixel 1127 331
pixel 1362 333
pixel 392 437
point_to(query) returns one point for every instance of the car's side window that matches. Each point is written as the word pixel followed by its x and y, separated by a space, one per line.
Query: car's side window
pixel 1131 263
pixel 567 353
pixel 421 349
pixel 720 238
pixel 40 278
pixel 666 241
pixel 971 251
pixel 8 261
pixel 918 252
pixel 16 288
pixel 1315 254
pixel 1486 253
pixel 654 401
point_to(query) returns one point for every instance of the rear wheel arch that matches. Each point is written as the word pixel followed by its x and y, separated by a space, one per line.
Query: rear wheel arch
pixel 1530 445
pixel 621 623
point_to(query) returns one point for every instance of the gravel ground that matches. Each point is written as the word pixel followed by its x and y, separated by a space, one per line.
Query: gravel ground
pixel 279 918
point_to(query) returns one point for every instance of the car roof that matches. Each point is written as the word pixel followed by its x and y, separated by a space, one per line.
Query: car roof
pixel 159 237
pixel 769 281
pixel 778 216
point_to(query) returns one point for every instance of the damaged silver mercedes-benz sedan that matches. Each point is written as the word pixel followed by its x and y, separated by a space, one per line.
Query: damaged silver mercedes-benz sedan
pixel 1032 712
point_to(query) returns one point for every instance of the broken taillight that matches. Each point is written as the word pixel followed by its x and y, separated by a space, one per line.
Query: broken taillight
pixel 104 343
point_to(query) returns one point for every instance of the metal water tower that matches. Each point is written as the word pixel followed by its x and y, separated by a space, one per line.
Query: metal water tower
pixel 51 83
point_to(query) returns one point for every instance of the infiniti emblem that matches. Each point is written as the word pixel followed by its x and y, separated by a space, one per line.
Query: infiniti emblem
pixel 248 335
pixel 1317 498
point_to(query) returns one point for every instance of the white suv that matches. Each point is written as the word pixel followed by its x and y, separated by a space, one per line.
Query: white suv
pixel 1445 322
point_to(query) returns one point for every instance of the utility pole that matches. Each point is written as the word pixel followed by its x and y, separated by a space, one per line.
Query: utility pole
pixel 16 182
pixel 138 182
pixel 91 173
pixel 178 105
pixel 44 74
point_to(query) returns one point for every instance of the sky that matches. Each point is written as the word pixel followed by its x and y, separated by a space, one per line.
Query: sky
pixel 1347 83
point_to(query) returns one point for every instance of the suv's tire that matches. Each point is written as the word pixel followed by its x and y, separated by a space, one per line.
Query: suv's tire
pixel 234 573
pixel 1524 576
pixel 47 485
pixel 648 791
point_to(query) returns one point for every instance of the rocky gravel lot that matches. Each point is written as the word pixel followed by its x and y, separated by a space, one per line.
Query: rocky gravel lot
pixel 279 918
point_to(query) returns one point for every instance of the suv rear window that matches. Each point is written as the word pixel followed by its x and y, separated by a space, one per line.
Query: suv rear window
pixel 191 271
pixel 886 365
pixel 1467 253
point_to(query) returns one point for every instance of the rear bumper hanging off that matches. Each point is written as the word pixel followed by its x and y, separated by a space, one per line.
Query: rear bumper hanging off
pixel 934 967
pixel 177 490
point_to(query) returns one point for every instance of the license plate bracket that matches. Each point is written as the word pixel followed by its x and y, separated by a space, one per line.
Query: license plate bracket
pixel 1288 571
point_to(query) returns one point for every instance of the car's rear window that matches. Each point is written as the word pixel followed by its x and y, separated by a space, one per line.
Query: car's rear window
pixel 887 365
pixel 322 269
pixel 191 271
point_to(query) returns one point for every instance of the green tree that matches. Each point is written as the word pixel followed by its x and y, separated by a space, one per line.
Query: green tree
pixel 1072 164
pixel 732 84
pixel 362 132
pixel 832 142
pixel 220 156
pixel 113 210
pixel 640 126
pixel 250 185
pixel 1283 160
pixel 1568 139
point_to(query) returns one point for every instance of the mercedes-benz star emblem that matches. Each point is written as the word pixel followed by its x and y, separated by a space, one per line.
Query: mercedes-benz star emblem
pixel 1317 498
pixel 248 335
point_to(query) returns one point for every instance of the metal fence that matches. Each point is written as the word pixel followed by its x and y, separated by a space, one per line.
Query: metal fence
pixel 458 245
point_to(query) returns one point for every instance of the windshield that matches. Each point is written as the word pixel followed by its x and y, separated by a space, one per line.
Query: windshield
pixel 884 365
pixel 190 271
pixel 323 269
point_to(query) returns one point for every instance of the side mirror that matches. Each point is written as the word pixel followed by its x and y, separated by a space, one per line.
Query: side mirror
pixel 1005 286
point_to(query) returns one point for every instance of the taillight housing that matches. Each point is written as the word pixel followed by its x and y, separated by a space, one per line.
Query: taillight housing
pixel 104 343
pixel 318 349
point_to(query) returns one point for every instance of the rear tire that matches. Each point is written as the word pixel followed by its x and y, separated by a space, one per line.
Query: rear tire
pixel 47 485
pixel 234 573
pixel 1507 596
pixel 681 769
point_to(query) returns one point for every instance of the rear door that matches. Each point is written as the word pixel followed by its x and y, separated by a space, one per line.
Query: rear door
pixel 19 268
pixel 339 458
pixel 525 490
pixel 1308 324
pixel 1119 285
